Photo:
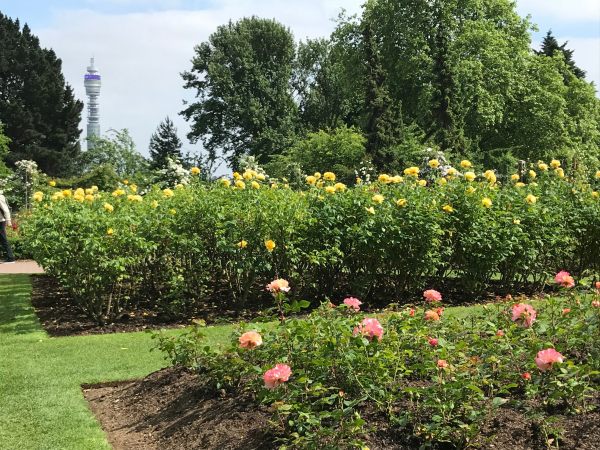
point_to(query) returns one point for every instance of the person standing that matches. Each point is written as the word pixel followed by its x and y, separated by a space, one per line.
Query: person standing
pixel 4 222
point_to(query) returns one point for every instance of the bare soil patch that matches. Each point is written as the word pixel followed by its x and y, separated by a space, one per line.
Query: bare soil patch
pixel 173 409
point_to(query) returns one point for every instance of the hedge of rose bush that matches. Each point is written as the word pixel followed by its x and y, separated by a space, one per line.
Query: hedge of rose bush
pixel 173 249
pixel 337 377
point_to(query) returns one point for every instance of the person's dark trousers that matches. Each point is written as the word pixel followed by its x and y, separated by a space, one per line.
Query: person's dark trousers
pixel 4 242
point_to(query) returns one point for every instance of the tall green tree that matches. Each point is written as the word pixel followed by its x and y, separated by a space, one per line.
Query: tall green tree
pixel 39 111
pixel 164 144
pixel 550 47
pixel 241 76
pixel 116 150
pixel 4 141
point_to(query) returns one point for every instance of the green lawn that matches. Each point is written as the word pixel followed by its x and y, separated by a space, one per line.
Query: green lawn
pixel 41 404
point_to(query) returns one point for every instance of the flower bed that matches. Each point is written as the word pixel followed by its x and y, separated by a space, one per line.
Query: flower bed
pixel 172 249
pixel 337 378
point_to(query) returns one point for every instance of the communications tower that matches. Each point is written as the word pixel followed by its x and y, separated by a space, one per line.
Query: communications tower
pixel 92 89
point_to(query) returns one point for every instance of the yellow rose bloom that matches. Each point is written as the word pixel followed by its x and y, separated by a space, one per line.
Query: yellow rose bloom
pixel 67 193
pixel 133 188
pixel 172 211
pixel 311 179
pixel 448 208
pixel 515 177
pixel 89 197
pixel 490 176
pixel 94 189
pixel 109 232
pixel 598 174
pixel 531 199
pixel 275 186
pixel 58 195
pixel 240 184
pixel 434 163
pixel 542 166
pixel 517 222
pixel 134 198
pixel 79 192
pixel 358 180
pixel 486 202
pixel 451 172
pixel 320 183
pixel 260 177
pixel 330 189
pixel 555 163
pixel 89 191
pixel 466 164
pixel 470 190
pixel 38 196
pixel 255 185
pixel 52 183
pixel 167 193
pixel 519 184
pixel 329 176
pixel 195 171
pixel 179 186
pixel 370 210
pixel 317 175
pixel 225 182
pixel 384 178
pixel 339 187
pixel 236 176
pixel 442 181
pixel 79 198
pixel 595 194
pixel 397 179
pixel 118 192
pixel 470 176
pixel 411 171
pixel 532 174
pixel 242 244
pixel 377 198
pixel 125 181
pixel 248 175
pixel 560 172
pixel 270 245
pixel 401 202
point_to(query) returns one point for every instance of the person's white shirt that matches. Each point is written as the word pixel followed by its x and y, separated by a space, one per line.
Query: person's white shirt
pixel 4 211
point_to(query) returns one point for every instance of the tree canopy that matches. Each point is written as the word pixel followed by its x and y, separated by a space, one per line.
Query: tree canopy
pixel 164 144
pixel 40 113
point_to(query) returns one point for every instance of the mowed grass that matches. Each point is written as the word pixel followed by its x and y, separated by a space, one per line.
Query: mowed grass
pixel 41 403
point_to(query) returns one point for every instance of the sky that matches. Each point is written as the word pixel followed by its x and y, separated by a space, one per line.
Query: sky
pixel 141 46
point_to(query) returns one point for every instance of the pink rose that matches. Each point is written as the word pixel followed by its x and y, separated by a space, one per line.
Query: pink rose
pixel 564 279
pixel 277 375
pixel 442 363
pixel 566 311
pixel 353 303
pixel 432 295
pixel 523 314
pixel 370 328
pixel 596 304
pixel 278 285
pixel 526 376
pixel 250 340
pixel 500 333
pixel 431 315
pixel 545 359
pixel 411 312
pixel 432 341
pixel 597 285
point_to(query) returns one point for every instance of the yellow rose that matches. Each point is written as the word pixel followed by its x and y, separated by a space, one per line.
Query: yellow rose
pixel 411 171
pixel 470 190
pixel 109 232
pixel 260 177
pixel 172 211
pixel 531 199
pixel 442 181
pixel 52 183
pixel 248 175
pixel 384 178
pixel 598 174
pixel 555 163
pixel 255 185
pixel 133 188
pixel 470 176
pixel 330 189
pixel 448 208
pixel 434 163
pixel 329 176
pixel 401 202
pixel 79 198
pixel 317 175
pixel 225 182
pixel 89 191
pixel 242 244
pixel 311 179
pixel 370 210
pixel 519 184
pixel 377 198
pixel 38 196
pixel 236 176
pixel 89 197
pixel 58 195
pixel 134 198
pixel 270 245
pixel 339 187
pixel 118 192
pixel 94 189
pixel 358 180
pixel 275 186
pixel 532 174
pixel 451 172
pixel 466 164
pixel 167 193
pixel 67 192
pixel 486 202
pixel 515 177
pixel 179 186
pixel 490 176
pixel 125 181
pixel 595 194
pixel 560 172
pixel 542 166
pixel 240 184
pixel 397 179
pixel 516 221
pixel 422 183
pixel 195 171
pixel 154 204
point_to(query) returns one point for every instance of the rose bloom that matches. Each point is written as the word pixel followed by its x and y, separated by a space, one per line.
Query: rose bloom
pixel 564 279
pixel 353 303
pixel 432 315
pixel 439 311
pixel 442 363
pixel 545 359
pixel 369 328
pixel 431 295
pixel 566 311
pixel 250 340
pixel 500 333
pixel 378 198
pixel 277 375
pixel 596 304
pixel 270 245
pixel 411 313
pixel 526 376
pixel 523 313
pixel 432 341
pixel 278 285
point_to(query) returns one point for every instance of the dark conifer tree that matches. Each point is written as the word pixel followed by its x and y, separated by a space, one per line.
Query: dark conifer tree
pixel 550 47
pixel 165 143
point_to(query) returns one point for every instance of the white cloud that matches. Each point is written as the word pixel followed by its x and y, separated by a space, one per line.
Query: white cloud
pixel 141 55
pixel 563 10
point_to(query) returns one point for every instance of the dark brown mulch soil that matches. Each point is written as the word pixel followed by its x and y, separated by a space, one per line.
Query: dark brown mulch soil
pixel 172 409
pixel 60 317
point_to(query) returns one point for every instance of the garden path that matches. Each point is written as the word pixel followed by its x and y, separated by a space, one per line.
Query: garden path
pixel 24 266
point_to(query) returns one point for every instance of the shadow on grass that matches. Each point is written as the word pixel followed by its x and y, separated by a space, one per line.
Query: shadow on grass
pixel 16 313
